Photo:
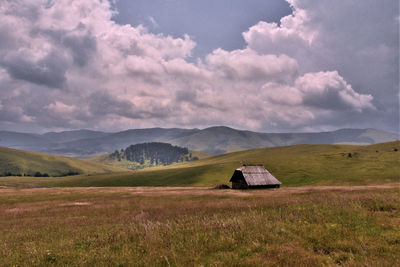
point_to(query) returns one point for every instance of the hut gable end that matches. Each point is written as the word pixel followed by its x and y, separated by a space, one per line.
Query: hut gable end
pixel 253 176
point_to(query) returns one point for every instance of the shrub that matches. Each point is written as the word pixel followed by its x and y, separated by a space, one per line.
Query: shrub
pixel 70 173
pixel 221 186
pixel 39 174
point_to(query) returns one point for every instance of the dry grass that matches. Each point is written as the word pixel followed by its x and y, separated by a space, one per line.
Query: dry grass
pixel 308 226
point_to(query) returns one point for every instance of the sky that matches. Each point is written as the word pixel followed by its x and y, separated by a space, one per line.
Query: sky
pixel 268 66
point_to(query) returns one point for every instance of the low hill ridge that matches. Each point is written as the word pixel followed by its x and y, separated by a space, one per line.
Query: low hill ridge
pixel 214 140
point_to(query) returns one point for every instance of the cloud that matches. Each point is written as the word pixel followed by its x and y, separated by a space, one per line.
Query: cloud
pixel 351 37
pixel 81 47
pixel 153 22
pixel 294 32
pixel 328 90
pixel 59 107
pixel 250 66
pixel 102 104
pixel 67 64
pixel 323 90
pixel 48 71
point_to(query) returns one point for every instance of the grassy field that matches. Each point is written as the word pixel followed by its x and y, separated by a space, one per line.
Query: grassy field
pixel 303 226
pixel 293 165
pixel 28 163
pixel 350 216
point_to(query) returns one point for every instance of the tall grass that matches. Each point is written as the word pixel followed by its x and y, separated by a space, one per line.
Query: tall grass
pixel 126 227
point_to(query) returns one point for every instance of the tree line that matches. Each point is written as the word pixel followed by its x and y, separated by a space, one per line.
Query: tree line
pixel 39 174
pixel 156 153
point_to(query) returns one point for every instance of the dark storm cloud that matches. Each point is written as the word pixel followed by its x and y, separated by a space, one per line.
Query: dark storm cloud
pixel 7 39
pixel 27 10
pixel 76 46
pixel 49 71
pixel 79 42
pixel 103 104
pixel 186 95
pixel 190 96
pixel 330 100
pixel 82 47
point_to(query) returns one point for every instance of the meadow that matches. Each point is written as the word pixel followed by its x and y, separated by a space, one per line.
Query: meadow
pixel 194 226
pixel 338 206
pixel 299 165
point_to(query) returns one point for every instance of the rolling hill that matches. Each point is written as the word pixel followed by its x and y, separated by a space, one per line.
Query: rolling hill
pixel 68 136
pixel 293 165
pixel 219 140
pixel 214 140
pixel 24 141
pixel 19 162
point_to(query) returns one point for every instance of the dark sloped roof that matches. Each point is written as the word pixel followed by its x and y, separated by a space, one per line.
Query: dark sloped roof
pixel 257 175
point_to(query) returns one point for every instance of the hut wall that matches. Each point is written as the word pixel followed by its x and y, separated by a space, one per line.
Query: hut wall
pixel 241 184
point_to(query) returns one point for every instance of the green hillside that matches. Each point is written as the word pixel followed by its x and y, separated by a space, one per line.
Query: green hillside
pixel 293 165
pixel 25 163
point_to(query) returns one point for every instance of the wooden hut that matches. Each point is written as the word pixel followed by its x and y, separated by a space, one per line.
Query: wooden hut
pixel 253 176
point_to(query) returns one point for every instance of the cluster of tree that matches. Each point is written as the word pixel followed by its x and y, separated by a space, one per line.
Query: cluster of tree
pixel 39 174
pixel 70 173
pixel 156 153
pixel 11 174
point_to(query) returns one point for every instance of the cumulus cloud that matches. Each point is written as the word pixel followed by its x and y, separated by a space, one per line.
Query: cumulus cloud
pixel 328 90
pixel 324 90
pixel 250 66
pixel 67 64
pixel 355 38
pixel 294 32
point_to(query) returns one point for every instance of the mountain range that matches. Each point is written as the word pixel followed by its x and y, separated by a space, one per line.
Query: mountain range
pixel 215 140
